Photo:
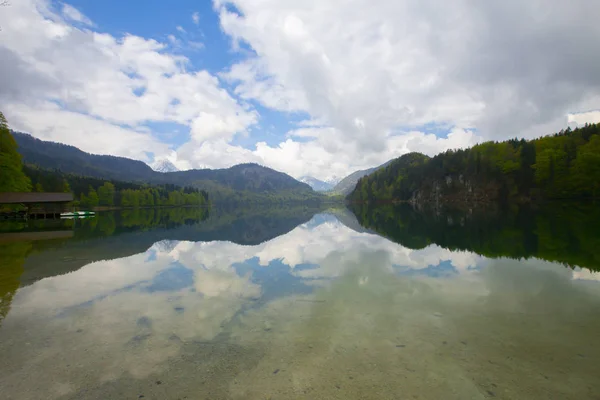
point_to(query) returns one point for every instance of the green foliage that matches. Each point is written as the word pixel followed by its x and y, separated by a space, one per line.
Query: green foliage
pixel 12 178
pixel 93 192
pixel 565 165
pixel 66 188
pixel 587 166
pixel 106 194
pixel 92 198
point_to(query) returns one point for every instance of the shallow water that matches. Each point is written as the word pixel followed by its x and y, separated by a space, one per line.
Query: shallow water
pixel 293 305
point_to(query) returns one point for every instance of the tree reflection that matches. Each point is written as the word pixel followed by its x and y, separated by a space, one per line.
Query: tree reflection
pixel 561 232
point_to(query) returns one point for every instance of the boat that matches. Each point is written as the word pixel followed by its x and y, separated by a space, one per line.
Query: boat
pixel 78 214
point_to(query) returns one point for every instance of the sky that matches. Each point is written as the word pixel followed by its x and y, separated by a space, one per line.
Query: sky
pixel 311 88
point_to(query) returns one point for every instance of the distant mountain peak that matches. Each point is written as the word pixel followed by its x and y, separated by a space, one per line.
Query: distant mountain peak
pixel 346 186
pixel 332 180
pixel 317 184
pixel 164 165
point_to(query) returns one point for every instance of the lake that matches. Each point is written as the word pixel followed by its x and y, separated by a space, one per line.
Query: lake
pixel 303 303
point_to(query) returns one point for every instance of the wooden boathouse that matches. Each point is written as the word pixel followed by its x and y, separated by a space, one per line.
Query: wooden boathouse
pixel 37 205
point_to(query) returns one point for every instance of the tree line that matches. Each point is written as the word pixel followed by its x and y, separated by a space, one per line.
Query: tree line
pixel 565 165
pixel 92 192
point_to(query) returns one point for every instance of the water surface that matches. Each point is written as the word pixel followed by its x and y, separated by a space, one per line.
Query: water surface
pixel 300 303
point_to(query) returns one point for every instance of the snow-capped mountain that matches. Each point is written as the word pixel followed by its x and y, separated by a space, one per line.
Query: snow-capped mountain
pixel 333 180
pixel 317 184
pixel 164 166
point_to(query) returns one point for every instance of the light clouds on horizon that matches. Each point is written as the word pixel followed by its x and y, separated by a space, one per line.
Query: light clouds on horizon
pixel 370 80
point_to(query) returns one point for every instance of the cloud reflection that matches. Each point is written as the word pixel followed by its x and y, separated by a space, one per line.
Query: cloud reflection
pixel 132 317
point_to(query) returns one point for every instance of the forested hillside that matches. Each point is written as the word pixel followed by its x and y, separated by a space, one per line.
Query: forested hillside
pixel 562 166
pixel 251 178
pixel 69 159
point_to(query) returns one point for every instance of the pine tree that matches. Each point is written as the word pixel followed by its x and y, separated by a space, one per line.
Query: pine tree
pixel 12 177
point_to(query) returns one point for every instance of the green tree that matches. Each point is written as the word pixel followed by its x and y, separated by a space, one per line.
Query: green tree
pixel 586 168
pixel 92 198
pixel 12 177
pixel 83 200
pixel 66 188
pixel 106 194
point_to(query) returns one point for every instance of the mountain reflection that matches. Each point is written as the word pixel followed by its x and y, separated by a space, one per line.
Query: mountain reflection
pixel 215 302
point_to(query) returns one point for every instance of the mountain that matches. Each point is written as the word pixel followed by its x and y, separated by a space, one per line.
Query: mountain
pixel 164 166
pixel 565 165
pixel 316 184
pixel 70 159
pixel 347 185
pixel 247 179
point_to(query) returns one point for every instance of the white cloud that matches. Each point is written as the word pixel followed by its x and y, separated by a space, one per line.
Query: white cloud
pixel 591 117
pixel 328 154
pixel 195 45
pixel 174 41
pixel 365 82
pixel 212 154
pixel 50 122
pixel 209 125
pixel 490 66
pixel 108 88
pixel 187 41
pixel 73 14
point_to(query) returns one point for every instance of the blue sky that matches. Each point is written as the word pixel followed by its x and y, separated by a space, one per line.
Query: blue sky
pixel 317 88
pixel 159 20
